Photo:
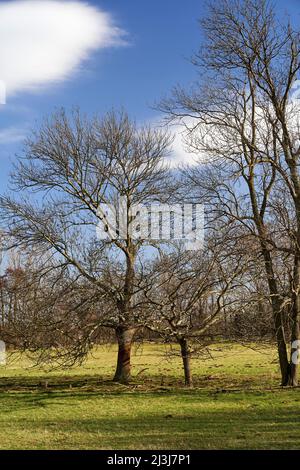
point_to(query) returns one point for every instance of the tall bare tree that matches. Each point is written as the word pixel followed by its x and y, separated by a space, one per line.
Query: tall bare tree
pixel 71 167
pixel 240 114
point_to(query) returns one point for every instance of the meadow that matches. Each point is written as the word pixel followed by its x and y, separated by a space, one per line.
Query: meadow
pixel 236 403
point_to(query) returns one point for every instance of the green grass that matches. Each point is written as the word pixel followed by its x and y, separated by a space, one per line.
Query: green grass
pixel 237 403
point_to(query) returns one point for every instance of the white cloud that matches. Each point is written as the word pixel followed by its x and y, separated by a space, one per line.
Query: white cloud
pixel 181 154
pixel 11 134
pixel 44 41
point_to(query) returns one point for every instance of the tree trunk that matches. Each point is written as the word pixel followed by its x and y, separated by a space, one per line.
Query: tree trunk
pixel 291 159
pixel 295 347
pixel 125 339
pixel 294 366
pixel 281 344
pixel 293 379
pixel 186 359
pixel 277 316
pixel 273 289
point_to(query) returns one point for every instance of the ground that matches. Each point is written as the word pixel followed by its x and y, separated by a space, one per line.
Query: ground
pixel 236 403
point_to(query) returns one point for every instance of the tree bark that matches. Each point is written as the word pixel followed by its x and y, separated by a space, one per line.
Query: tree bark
pixel 186 359
pixel 125 339
pixel 278 323
pixel 294 366
pixel 272 284
pixel 291 159
pixel 284 364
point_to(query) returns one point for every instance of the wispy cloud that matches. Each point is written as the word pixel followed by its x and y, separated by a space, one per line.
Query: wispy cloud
pixel 12 134
pixel 44 41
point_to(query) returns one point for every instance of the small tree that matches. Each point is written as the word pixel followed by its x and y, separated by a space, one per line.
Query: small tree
pixel 189 295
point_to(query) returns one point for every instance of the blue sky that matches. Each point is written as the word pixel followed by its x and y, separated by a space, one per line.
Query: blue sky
pixel 132 68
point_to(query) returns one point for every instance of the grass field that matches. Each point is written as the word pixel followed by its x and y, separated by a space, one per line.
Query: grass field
pixel 236 403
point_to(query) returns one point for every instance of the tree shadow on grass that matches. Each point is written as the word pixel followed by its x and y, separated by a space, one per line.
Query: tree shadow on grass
pixel 48 383
pixel 43 382
pixel 188 429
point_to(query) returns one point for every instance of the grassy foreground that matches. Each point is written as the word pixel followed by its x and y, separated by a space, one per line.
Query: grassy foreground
pixel 236 403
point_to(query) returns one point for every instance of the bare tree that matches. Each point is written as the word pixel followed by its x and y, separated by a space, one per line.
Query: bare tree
pixel 189 294
pixel 71 168
pixel 245 119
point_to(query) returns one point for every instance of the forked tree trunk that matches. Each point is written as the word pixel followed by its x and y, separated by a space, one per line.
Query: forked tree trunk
pixel 125 340
pixel 186 359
